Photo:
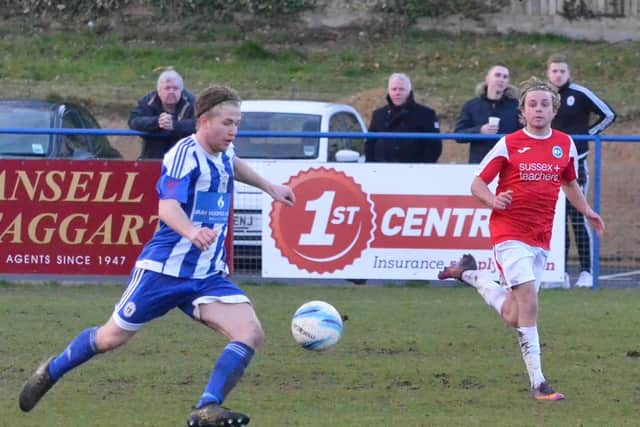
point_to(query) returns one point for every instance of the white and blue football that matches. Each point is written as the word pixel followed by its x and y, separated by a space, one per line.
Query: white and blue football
pixel 317 326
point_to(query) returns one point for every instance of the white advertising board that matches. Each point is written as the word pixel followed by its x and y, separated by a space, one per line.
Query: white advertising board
pixel 381 221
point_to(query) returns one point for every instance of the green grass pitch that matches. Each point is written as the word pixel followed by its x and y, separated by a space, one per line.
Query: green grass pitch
pixel 409 356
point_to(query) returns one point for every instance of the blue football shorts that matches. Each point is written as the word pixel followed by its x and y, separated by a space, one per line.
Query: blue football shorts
pixel 150 295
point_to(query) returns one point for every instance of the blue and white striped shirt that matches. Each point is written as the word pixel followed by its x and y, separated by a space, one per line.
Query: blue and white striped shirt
pixel 189 172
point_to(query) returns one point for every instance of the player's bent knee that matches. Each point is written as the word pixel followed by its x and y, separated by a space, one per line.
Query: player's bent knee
pixel 252 335
pixel 510 322
pixel 509 316
pixel 108 343
pixel 110 340
pixel 256 335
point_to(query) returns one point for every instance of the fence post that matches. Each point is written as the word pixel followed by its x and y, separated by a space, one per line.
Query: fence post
pixel 597 184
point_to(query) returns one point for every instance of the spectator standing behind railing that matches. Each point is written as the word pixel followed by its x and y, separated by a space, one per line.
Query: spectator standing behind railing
pixel 494 110
pixel 578 109
pixel 403 114
pixel 168 109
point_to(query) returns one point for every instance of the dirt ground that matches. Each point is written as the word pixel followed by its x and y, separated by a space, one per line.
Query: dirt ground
pixel 619 184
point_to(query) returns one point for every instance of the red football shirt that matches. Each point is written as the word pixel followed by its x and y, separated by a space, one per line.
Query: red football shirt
pixel 533 168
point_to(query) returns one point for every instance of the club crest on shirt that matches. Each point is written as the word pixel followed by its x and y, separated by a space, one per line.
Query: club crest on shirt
pixel 571 100
pixel 129 309
pixel 556 151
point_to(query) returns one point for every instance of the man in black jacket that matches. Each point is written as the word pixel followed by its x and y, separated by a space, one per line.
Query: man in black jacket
pixel 493 110
pixel 403 114
pixel 581 112
pixel 167 111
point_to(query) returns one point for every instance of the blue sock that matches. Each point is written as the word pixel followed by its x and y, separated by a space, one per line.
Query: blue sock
pixel 81 349
pixel 226 373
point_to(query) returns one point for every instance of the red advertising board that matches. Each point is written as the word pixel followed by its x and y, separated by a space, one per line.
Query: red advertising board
pixel 75 217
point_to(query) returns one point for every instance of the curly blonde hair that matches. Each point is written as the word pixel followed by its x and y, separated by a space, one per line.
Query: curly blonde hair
pixel 534 83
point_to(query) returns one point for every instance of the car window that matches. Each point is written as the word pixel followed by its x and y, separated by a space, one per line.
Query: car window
pixel 344 122
pixel 24 144
pixel 278 148
pixel 73 145
pixel 99 144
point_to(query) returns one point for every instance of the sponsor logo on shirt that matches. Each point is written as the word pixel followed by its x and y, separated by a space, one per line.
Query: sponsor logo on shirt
pixel 537 171
pixel 211 207
pixel 523 150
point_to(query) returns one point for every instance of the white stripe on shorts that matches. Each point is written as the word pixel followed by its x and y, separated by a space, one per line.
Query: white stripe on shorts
pixel 136 276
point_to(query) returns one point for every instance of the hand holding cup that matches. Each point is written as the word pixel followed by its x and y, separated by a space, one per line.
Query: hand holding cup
pixel 492 126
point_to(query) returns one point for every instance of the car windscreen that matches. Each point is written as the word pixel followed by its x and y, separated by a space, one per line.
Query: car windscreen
pixel 259 147
pixel 24 144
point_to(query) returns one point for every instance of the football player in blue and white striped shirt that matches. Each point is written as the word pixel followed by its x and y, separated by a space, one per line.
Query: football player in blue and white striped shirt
pixel 184 264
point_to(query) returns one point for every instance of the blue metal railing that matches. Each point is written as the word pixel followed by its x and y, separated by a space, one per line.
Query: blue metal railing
pixel 598 139
pixel 597 183
pixel 46 131
pixel 295 134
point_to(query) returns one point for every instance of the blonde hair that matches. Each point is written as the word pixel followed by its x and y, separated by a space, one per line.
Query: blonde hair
pixel 534 83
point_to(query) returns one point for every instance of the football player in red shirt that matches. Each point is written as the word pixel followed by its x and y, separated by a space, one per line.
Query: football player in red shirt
pixel 531 165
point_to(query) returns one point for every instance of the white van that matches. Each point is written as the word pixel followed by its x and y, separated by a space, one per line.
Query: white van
pixel 298 116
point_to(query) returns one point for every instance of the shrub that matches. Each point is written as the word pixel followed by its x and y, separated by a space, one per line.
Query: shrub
pixel 259 8
pixel 414 9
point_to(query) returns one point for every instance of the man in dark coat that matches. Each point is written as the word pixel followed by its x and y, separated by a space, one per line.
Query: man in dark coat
pixel 403 114
pixel 494 110
pixel 167 111
pixel 581 112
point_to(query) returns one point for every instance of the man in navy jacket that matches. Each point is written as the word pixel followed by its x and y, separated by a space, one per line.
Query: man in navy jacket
pixel 403 114
pixel 168 111
pixel 494 98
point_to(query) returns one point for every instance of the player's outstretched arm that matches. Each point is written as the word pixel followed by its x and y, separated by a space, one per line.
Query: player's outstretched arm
pixel 246 174
pixel 576 198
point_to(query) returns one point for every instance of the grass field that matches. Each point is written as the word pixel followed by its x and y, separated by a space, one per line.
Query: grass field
pixel 410 356
pixel 111 71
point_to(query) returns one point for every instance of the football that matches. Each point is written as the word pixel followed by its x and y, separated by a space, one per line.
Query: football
pixel 316 325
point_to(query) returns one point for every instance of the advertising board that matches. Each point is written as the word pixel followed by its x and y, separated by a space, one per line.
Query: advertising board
pixel 381 221
pixel 75 217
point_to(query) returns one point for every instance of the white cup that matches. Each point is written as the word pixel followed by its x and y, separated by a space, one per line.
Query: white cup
pixel 494 121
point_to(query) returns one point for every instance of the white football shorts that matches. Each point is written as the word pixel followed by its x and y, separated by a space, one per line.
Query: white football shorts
pixel 520 263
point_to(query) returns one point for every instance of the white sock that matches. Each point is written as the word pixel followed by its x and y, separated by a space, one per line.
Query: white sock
pixel 530 348
pixel 470 277
pixel 492 293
